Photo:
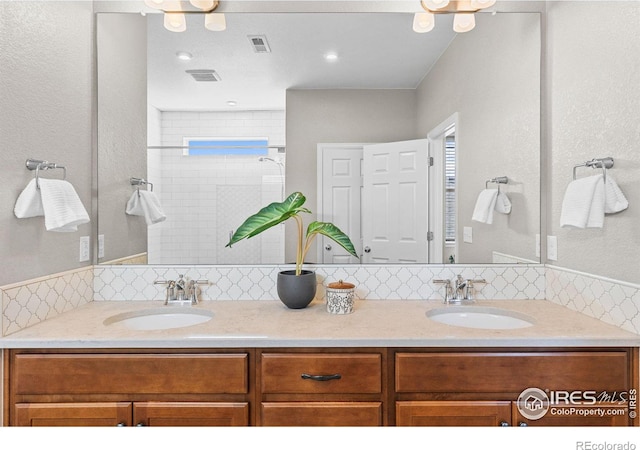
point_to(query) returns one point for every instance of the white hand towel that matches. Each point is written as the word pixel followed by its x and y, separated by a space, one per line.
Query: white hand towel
pixel 63 210
pixel 485 204
pixel 583 203
pixel 147 205
pixel 503 204
pixel 29 203
pixel 615 201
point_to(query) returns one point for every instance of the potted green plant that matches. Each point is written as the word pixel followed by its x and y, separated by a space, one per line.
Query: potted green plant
pixel 296 288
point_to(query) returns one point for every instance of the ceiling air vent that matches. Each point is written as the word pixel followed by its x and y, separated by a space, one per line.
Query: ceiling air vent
pixel 204 75
pixel 259 44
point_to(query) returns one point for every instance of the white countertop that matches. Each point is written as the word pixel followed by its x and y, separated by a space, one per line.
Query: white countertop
pixel 374 323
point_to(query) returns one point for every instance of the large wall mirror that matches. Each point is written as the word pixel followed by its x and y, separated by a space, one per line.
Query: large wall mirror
pixel 222 123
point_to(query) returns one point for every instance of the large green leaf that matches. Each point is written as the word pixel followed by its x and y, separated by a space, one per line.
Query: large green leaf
pixel 333 232
pixel 269 216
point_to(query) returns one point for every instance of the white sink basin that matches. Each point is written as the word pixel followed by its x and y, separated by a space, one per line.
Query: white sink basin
pixel 161 318
pixel 480 317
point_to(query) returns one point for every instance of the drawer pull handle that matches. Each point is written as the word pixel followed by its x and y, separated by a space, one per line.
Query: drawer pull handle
pixel 335 376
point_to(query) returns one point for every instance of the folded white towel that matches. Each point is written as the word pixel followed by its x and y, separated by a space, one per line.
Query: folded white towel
pixel 29 203
pixel 614 199
pixel 583 203
pixel 485 204
pixel 56 200
pixel 503 204
pixel 147 205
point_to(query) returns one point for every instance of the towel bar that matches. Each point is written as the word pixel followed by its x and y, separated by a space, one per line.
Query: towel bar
pixel 38 165
pixel 597 163
pixel 139 182
pixel 497 180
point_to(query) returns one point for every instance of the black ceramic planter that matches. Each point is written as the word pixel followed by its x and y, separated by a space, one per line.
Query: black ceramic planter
pixel 296 291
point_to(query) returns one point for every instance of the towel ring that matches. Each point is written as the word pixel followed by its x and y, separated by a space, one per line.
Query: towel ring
pixel 37 165
pixel 497 180
pixel 597 163
pixel 138 182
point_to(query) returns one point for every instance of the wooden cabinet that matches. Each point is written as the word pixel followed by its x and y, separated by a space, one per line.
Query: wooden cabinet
pixel 326 388
pixel 317 387
pixel 123 388
pixel 482 388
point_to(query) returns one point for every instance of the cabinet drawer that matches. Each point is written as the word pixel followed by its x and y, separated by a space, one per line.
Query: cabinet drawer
pixel 49 374
pixel 334 414
pixel 105 414
pixel 511 372
pixel 321 373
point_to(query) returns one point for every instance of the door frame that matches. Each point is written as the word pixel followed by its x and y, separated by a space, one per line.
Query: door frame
pixel 436 186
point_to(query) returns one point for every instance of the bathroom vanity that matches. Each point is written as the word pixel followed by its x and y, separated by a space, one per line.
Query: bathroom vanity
pixel 385 364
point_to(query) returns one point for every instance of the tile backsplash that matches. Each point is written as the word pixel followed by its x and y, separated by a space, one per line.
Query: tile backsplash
pixel 373 282
pixel 32 301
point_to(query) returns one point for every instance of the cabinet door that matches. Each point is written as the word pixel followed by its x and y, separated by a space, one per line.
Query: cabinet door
pixel 453 413
pixel 334 414
pixel 194 414
pixel 106 414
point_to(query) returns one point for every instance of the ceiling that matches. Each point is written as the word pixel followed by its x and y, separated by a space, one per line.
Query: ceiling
pixel 375 51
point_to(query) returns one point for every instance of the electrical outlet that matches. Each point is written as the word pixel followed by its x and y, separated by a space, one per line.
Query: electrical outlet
pixel 538 245
pixel 552 248
pixel 85 251
pixel 467 234
pixel 101 246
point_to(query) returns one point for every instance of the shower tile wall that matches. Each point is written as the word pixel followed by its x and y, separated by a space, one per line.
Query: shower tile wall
pixel 204 196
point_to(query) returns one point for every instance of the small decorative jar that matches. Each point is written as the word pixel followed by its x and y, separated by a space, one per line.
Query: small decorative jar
pixel 340 297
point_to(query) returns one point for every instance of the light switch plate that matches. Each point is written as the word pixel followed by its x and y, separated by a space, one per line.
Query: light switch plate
pixel 101 246
pixel 467 234
pixel 552 248
pixel 85 243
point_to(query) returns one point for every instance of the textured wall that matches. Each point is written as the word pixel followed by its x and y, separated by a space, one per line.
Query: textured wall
pixel 338 116
pixel 491 77
pixel 122 129
pixel 594 96
pixel 45 113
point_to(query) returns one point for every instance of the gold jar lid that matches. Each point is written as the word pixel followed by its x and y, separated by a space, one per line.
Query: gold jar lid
pixel 341 285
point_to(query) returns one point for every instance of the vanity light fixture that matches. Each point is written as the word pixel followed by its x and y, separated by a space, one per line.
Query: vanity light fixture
pixel 463 10
pixel 175 16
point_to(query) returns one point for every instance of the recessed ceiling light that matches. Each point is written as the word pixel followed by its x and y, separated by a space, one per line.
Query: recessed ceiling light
pixel 232 103
pixel 331 56
pixel 184 56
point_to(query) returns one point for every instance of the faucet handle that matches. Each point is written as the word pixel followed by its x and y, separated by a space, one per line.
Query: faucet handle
pixel 192 289
pixel 470 294
pixel 448 292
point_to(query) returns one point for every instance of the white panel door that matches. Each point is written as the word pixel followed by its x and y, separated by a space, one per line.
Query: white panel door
pixel 396 202
pixel 339 198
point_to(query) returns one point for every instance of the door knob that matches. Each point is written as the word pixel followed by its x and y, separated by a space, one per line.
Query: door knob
pixel 367 250
pixel 327 247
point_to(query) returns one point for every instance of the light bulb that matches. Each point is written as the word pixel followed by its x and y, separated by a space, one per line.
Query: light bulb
pixel 155 4
pixel 175 22
pixel 435 4
pixel 423 22
pixel 204 5
pixel 215 22
pixel 464 22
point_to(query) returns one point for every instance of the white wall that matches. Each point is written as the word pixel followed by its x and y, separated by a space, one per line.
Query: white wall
pixel 593 74
pixel 337 116
pixel 46 64
pixel 205 197
pixel 491 78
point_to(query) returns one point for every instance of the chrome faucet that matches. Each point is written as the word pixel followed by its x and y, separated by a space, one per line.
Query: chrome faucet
pixel 460 290
pixel 181 291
